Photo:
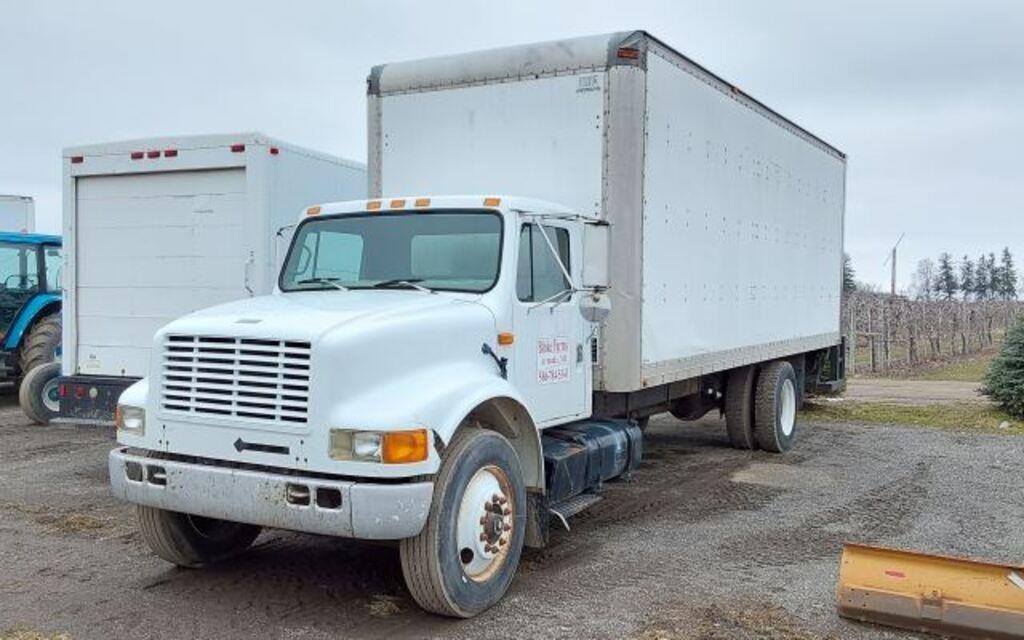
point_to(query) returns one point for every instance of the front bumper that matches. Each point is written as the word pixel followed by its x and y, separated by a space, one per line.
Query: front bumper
pixel 343 508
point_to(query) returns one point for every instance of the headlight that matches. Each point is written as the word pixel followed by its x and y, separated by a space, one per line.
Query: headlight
pixel 389 447
pixel 130 419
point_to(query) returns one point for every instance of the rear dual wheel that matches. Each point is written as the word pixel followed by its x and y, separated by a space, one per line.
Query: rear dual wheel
pixel 761 406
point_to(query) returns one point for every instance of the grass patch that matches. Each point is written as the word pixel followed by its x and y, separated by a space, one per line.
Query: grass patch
pixel 959 417
pixel 966 370
pixel 21 633
pixel 758 622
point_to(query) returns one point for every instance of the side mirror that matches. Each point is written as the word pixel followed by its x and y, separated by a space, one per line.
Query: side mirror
pixel 596 238
pixel 595 306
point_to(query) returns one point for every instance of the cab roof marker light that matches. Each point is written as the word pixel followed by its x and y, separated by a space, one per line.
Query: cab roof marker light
pixel 492 201
pixel 373 205
pixel 397 204
pixel 77 159
pixel 170 153
pixel 137 155
pixel 237 148
pixel 153 154
pixel 422 202
pixel 313 211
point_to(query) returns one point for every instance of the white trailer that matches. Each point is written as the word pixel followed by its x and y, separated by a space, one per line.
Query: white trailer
pixel 458 372
pixel 17 213
pixel 156 228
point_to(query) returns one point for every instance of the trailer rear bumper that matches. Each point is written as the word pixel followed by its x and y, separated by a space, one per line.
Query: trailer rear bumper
pixel 91 399
pixel 345 508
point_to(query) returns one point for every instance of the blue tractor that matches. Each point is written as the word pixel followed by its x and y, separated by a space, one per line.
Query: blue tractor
pixel 30 305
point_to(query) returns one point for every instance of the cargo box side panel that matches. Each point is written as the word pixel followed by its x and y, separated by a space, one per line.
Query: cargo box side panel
pixel 742 230
pixel 541 138
pixel 150 248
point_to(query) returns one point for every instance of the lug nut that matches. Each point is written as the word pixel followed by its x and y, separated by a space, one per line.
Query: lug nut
pixel 483 537
pixel 507 511
pixel 502 499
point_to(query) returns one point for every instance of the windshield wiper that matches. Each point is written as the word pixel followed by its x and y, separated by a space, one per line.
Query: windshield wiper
pixel 406 283
pixel 331 281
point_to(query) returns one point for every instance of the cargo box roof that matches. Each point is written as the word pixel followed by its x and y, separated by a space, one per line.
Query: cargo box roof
pixel 557 57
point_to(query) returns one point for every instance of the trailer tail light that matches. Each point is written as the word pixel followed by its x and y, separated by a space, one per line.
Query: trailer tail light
pixel 397 204
pixel 274 151
pixel 629 53
pixel 62 389
pixel 492 202
pixel 422 202
pixel 152 154
pixel 373 205
pixel 137 155
pixel 237 148
pixel 171 153
pixel 77 159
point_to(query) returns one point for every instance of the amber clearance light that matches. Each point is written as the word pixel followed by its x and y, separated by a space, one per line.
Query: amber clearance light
pixel 404 446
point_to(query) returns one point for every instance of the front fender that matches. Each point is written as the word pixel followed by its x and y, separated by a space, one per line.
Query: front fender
pixel 439 398
pixel 38 305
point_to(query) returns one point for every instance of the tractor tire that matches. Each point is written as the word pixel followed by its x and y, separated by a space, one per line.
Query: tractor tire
pixel 775 406
pixel 41 343
pixel 739 407
pixel 463 560
pixel 38 394
pixel 193 541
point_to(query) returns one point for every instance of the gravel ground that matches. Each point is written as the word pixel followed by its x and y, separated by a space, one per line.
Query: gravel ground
pixel 916 392
pixel 702 542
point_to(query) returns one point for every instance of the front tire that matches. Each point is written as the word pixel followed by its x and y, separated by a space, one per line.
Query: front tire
pixel 39 394
pixel 463 560
pixel 193 541
pixel 775 407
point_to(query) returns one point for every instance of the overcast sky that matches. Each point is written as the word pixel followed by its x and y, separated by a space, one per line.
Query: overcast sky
pixel 926 98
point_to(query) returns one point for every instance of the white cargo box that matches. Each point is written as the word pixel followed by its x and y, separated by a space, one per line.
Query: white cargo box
pixel 157 228
pixel 17 214
pixel 726 218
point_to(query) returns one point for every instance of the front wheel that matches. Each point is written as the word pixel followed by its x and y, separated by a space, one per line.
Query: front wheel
pixel 39 393
pixel 193 541
pixel 463 560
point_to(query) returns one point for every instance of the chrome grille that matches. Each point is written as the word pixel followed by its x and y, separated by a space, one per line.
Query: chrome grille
pixel 252 379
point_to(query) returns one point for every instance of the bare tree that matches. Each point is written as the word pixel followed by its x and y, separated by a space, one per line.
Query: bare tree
pixel 923 282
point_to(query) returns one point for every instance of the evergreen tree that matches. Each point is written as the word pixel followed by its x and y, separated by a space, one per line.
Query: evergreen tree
pixel 1007 276
pixel 849 275
pixel 945 282
pixel 992 271
pixel 967 283
pixel 981 278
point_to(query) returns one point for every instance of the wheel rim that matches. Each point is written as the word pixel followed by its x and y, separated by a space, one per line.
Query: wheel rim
pixel 51 396
pixel 484 524
pixel 787 408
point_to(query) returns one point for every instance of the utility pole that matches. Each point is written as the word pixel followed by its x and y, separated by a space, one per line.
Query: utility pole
pixel 892 259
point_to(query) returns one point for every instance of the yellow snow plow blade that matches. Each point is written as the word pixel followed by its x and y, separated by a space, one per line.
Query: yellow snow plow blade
pixel 950 596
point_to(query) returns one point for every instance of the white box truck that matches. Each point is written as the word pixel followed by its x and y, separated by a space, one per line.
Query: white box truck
pixel 159 227
pixel 17 213
pixel 458 372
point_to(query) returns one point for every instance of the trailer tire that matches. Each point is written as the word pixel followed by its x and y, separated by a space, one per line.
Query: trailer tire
pixel 41 343
pixel 739 407
pixel 192 541
pixel 447 566
pixel 775 406
pixel 38 394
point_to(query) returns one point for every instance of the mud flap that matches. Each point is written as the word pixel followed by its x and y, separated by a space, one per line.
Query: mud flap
pixel 950 596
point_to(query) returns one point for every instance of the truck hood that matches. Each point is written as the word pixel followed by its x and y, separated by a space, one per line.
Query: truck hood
pixel 309 315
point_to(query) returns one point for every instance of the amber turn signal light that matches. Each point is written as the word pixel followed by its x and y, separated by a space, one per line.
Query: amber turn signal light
pixel 404 446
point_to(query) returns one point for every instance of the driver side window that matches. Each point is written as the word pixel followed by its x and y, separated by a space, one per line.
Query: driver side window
pixel 539 277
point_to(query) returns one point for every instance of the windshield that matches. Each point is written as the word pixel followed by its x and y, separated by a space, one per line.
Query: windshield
pixel 441 250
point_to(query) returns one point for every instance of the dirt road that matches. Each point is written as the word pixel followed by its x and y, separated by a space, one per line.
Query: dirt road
pixel 916 392
pixel 703 542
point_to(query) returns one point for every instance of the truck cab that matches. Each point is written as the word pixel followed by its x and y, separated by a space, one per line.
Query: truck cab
pixel 405 334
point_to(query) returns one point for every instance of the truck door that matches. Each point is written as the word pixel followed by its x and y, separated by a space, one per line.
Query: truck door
pixel 548 363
